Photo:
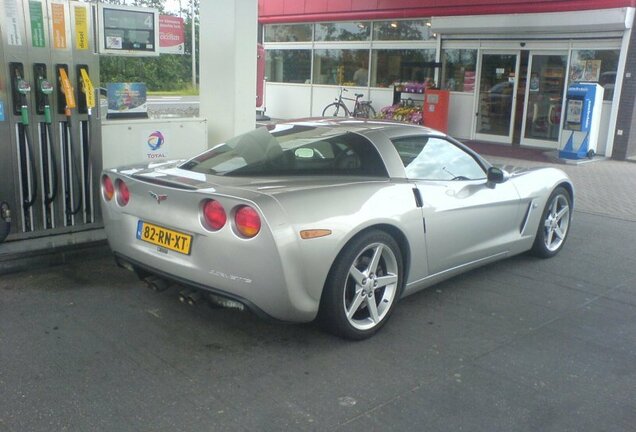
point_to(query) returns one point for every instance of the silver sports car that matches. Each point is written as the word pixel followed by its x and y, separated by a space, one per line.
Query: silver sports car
pixel 329 219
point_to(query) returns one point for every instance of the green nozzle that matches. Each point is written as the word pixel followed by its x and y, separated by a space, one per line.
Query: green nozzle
pixel 24 115
pixel 47 114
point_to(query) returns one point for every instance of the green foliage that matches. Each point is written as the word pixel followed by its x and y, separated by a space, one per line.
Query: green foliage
pixel 168 72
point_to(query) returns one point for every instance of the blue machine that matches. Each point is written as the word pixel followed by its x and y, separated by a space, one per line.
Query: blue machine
pixel 582 121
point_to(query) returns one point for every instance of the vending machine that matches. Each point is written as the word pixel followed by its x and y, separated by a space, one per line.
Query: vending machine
pixel 435 110
pixel 584 102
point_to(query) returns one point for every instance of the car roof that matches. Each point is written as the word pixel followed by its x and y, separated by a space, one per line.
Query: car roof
pixel 360 125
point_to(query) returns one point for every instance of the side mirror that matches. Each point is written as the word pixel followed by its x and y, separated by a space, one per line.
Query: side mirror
pixel 497 176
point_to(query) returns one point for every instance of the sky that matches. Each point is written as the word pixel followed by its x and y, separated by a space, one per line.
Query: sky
pixel 173 5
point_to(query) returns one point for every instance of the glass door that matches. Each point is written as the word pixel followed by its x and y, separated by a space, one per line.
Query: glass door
pixel 544 97
pixel 497 96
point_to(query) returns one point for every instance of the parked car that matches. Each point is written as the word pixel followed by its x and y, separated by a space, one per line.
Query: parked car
pixel 329 219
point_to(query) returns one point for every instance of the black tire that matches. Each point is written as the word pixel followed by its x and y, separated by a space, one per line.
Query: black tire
pixel 365 110
pixel 335 110
pixel 554 225
pixel 356 282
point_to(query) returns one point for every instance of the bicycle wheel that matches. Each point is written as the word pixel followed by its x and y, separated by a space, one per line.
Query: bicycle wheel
pixel 365 110
pixel 335 110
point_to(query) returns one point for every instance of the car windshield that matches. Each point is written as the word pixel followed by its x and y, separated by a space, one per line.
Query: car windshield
pixel 291 150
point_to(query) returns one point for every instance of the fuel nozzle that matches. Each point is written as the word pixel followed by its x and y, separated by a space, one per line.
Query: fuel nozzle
pixel 67 89
pixel 88 90
pixel 23 88
pixel 46 88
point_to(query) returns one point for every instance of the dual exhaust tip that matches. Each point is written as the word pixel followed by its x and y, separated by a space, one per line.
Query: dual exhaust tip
pixel 192 297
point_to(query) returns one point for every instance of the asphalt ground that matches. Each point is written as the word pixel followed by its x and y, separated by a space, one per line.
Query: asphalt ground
pixel 521 345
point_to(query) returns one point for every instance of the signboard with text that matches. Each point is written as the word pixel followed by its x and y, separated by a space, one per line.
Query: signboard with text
pixel 171 35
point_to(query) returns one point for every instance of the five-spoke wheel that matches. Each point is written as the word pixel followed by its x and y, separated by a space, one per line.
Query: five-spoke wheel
pixel 555 223
pixel 363 286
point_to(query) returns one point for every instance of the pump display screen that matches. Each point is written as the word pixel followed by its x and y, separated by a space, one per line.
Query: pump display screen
pixel 573 114
pixel 128 31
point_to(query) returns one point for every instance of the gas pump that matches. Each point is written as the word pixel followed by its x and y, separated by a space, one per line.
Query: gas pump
pixel 5 220
pixel 50 149
pixel 86 86
pixel 71 176
pixel 48 160
pixel 28 175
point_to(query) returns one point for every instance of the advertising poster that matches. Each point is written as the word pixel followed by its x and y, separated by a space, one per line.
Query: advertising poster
pixel 586 70
pixel 171 35
pixel 127 100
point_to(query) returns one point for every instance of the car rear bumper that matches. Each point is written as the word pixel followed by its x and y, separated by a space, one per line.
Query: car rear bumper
pixel 144 270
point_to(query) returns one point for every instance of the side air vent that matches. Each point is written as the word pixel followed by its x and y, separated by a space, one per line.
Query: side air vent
pixel 526 216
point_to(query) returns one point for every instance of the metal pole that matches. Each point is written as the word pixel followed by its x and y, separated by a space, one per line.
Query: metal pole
pixel 194 53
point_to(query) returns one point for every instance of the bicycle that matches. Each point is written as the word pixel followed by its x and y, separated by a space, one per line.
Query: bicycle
pixel 361 109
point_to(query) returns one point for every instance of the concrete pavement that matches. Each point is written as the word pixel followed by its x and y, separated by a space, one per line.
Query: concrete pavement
pixel 522 345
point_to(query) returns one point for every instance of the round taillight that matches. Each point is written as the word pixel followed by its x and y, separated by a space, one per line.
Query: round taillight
pixel 214 215
pixel 108 190
pixel 123 194
pixel 248 222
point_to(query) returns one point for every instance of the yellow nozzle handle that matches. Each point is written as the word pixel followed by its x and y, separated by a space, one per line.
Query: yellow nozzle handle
pixel 88 89
pixel 67 89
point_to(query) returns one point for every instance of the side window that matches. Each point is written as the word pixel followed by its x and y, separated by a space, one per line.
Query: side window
pixel 432 158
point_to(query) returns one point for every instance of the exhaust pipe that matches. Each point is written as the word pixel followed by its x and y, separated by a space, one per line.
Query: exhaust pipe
pixel 156 283
pixel 183 296
pixel 194 297
pixel 190 297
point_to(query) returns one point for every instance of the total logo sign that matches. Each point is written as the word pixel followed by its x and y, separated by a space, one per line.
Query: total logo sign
pixel 156 146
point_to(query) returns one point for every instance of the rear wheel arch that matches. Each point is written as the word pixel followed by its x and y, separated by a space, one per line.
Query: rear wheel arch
pixel 397 234
pixel 364 283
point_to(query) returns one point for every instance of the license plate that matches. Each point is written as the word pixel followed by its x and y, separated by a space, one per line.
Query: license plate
pixel 164 237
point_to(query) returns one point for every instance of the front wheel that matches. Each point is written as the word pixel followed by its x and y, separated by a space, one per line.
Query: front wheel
pixel 335 110
pixel 555 224
pixel 363 286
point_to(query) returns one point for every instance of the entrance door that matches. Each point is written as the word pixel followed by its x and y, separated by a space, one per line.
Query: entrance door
pixel 544 97
pixel 497 96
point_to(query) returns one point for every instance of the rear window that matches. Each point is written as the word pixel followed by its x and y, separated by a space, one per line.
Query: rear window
pixel 291 150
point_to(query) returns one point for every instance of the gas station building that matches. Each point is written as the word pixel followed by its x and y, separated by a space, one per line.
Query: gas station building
pixel 507 64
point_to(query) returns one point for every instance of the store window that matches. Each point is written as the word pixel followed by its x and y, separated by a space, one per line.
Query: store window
pixel 595 66
pixel 288 66
pixel 458 69
pixel 340 66
pixel 287 33
pixel 402 65
pixel 343 31
pixel 402 30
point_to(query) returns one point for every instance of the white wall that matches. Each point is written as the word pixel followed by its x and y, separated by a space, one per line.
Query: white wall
pixel 290 101
pixel 461 115
pixel 604 128
pixel 228 67
pixel 286 101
